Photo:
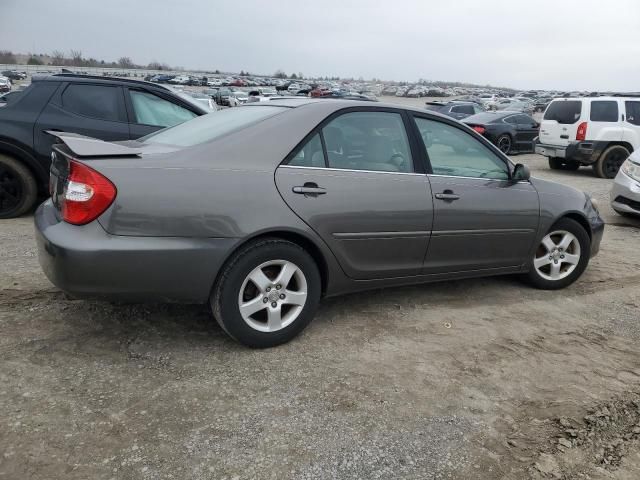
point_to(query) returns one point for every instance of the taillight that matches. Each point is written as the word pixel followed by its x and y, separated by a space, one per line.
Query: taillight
pixel 87 194
pixel 480 129
pixel 581 134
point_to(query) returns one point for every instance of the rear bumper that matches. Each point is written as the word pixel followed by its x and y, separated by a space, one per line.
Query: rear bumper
pixel 86 261
pixel 585 153
pixel 625 194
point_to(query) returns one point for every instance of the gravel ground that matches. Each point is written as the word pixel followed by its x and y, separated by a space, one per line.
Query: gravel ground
pixel 482 378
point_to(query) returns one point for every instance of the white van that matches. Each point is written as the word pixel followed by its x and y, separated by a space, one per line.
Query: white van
pixel 597 131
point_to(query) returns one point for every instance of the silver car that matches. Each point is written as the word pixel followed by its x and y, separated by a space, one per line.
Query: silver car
pixel 625 193
pixel 261 210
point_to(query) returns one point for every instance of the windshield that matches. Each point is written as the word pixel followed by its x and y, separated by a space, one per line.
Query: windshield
pixel 214 125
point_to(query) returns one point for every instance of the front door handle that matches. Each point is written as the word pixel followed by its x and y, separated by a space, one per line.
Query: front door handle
pixel 309 188
pixel 447 195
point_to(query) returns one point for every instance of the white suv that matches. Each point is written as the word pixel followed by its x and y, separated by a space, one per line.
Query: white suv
pixel 597 131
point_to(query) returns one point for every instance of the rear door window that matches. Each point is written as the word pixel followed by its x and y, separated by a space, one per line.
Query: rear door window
pixel 564 111
pixel 95 101
pixel 633 112
pixel 604 111
pixel 310 154
pixel 373 141
pixel 524 120
pixel 463 109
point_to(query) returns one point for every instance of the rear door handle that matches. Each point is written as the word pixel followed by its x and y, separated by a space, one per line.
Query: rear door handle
pixel 309 189
pixel 447 195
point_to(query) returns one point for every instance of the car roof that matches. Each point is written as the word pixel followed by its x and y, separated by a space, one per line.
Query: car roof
pixel 58 77
pixel 341 103
pixel 607 97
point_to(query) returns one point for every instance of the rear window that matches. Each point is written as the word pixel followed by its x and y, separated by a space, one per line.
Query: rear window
pixel 211 126
pixel 604 111
pixel 564 111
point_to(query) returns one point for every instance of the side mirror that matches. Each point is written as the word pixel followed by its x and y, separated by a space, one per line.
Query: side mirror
pixel 521 172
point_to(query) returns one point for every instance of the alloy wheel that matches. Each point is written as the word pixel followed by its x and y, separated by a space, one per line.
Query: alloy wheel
pixel 273 295
pixel 504 144
pixel 557 256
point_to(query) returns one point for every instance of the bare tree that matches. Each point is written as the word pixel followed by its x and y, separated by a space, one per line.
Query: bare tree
pixel 57 57
pixel 7 56
pixel 125 62
pixel 76 58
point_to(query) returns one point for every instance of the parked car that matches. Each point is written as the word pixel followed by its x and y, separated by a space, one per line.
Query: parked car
pixel 625 193
pixel 222 96
pixel 511 132
pixel 106 108
pixel 180 80
pixel 540 104
pixel 596 131
pixel 283 202
pixel 203 99
pixel 454 109
pixel 515 106
pixel 162 78
pixel 240 97
pixel 13 75
pixel 5 85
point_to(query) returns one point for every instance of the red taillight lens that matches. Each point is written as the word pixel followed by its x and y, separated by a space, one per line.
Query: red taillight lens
pixel 87 194
pixel 480 129
pixel 581 134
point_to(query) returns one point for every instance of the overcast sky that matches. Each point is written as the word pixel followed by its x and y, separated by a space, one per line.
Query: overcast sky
pixel 551 44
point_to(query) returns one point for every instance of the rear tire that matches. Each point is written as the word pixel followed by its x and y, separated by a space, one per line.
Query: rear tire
pixel 18 188
pixel 277 310
pixel 556 265
pixel 610 161
pixel 573 166
pixel 504 143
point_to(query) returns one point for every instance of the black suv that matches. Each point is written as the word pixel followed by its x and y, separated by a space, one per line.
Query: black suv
pixel 106 108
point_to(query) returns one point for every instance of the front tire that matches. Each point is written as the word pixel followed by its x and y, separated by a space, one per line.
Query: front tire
pixel 18 188
pixel 267 293
pixel 610 161
pixel 561 257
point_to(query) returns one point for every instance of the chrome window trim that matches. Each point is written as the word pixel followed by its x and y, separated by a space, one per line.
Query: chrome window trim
pixel 473 178
pixel 352 170
pixel 401 173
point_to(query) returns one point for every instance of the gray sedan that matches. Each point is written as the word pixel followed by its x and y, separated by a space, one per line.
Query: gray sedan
pixel 625 193
pixel 264 209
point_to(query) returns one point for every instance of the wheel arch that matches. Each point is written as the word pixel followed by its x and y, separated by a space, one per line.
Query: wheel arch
pixel 26 158
pixel 620 143
pixel 577 217
pixel 293 236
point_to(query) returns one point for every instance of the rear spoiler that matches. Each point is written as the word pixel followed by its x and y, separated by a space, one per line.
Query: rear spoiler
pixel 83 146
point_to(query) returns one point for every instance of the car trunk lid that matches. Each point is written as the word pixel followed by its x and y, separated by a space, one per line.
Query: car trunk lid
pixel 74 147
